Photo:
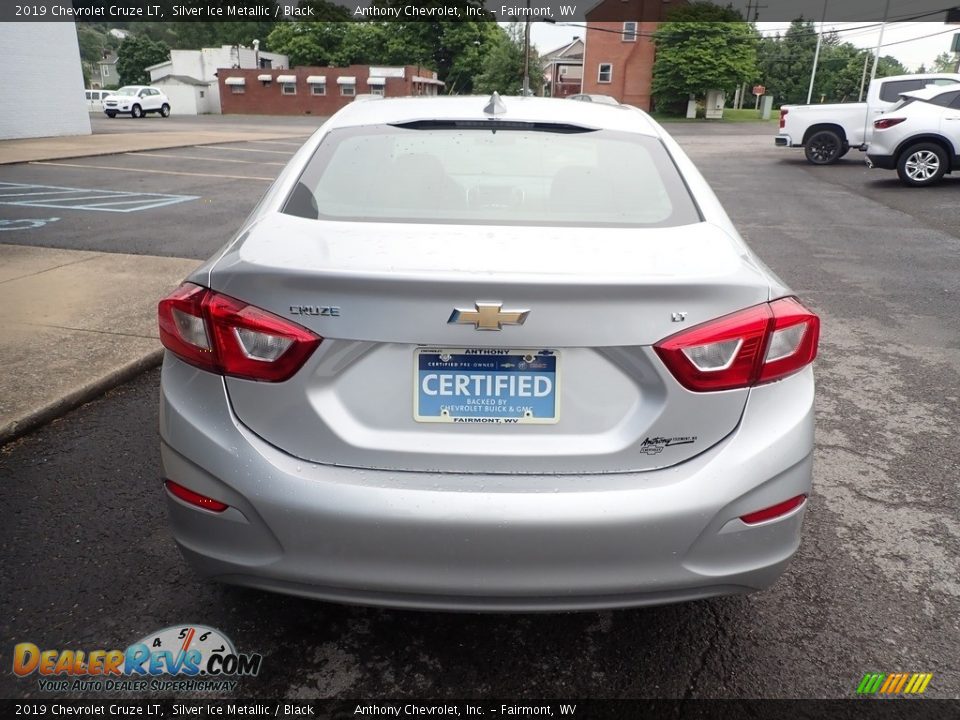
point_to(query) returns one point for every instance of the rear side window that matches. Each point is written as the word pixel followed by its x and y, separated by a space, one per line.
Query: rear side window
pixel 891 90
pixel 945 99
pixel 514 175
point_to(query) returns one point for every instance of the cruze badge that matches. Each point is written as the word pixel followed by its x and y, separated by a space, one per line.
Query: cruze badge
pixel 488 316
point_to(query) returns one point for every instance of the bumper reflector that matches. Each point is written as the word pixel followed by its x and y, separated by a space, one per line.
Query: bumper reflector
pixel 193 498
pixel 774 511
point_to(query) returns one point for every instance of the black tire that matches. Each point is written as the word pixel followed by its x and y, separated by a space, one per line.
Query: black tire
pixel 824 147
pixel 843 151
pixel 136 111
pixel 111 113
pixel 165 110
pixel 922 164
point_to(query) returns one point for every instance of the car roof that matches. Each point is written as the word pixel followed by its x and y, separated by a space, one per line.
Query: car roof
pixel 931 91
pixel 518 109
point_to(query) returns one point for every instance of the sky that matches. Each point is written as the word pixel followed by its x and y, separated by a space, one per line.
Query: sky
pixel 912 43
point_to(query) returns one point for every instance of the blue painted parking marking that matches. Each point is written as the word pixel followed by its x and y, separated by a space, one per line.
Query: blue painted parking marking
pixel 68 198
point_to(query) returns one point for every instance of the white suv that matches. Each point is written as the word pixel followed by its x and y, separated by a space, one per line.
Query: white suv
pixel 919 137
pixel 137 101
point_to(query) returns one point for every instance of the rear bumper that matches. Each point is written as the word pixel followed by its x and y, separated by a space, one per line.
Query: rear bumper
pixel 883 162
pixel 783 141
pixel 485 543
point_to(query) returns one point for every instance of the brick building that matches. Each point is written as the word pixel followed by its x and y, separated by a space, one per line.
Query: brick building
pixel 619 54
pixel 317 90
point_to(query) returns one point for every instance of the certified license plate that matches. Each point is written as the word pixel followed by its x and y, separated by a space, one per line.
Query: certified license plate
pixel 486 385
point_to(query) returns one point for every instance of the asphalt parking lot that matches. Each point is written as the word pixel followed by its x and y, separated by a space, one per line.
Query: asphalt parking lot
pixel 88 561
pixel 191 199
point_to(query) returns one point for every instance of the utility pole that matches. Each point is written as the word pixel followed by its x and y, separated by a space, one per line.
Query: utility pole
pixel 526 53
pixel 816 54
pixel 863 78
pixel 876 56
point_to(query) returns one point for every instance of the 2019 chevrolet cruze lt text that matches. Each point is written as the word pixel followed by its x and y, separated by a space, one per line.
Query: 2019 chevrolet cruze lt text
pixel 499 354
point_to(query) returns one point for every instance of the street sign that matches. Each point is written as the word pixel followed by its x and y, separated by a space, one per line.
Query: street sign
pixel 759 90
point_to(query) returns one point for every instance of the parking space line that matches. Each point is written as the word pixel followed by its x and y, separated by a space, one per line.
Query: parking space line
pixel 154 172
pixel 66 198
pixel 259 150
pixel 208 159
pixel 280 142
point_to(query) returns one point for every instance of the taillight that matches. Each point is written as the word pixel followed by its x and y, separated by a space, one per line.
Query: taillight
pixel 783 118
pixel 224 335
pixel 884 123
pixel 760 344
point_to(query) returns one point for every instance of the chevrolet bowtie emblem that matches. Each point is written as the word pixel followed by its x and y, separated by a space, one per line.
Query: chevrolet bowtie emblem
pixel 488 316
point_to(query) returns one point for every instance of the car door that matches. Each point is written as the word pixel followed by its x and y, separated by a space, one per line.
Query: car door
pixel 950 123
pixel 147 101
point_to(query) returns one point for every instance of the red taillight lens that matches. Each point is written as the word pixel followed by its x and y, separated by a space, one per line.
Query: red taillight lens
pixel 774 511
pixel 224 335
pixel 884 123
pixel 783 118
pixel 194 498
pixel 760 344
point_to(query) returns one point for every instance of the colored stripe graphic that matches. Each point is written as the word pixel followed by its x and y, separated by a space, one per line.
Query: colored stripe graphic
pixel 870 683
pixel 894 683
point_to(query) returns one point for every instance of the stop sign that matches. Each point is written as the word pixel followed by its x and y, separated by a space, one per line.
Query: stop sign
pixel 759 90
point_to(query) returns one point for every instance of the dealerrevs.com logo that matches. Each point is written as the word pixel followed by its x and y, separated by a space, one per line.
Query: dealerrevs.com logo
pixel 178 658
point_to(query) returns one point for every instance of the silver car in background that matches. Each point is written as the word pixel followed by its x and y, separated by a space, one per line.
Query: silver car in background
pixel 488 355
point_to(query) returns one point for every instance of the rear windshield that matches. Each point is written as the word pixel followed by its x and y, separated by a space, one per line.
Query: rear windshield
pixel 518 174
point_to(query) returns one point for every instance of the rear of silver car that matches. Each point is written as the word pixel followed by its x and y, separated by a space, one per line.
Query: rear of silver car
pixel 497 387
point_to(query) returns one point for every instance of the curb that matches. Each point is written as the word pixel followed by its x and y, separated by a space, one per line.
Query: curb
pixel 90 391
pixel 100 152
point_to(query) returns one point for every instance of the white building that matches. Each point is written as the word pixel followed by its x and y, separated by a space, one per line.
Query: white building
pixel 44 57
pixel 189 77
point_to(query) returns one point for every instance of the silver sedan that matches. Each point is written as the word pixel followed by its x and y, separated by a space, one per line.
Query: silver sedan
pixel 488 354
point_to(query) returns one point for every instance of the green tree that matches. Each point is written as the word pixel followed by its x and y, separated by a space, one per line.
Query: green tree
pixel 135 55
pixel 944 63
pixel 702 47
pixel 784 62
pixel 309 43
pixel 502 65
pixel 92 42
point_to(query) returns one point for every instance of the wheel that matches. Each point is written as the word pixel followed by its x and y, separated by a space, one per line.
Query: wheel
pixel 111 113
pixel 922 164
pixel 843 151
pixel 136 111
pixel 165 110
pixel 824 147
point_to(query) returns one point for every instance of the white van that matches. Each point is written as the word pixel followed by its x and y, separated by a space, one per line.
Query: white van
pixel 95 98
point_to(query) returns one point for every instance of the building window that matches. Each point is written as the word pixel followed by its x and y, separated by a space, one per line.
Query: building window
pixel 288 88
pixel 629 32
pixel 318 89
pixel 376 90
pixel 235 89
pixel 348 90
pixel 201 93
pixel 605 73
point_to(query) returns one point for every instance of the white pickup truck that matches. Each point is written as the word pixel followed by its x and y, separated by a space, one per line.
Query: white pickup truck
pixel 827 132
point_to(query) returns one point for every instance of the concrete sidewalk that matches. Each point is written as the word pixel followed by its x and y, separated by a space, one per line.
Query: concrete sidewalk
pixel 59 148
pixel 75 323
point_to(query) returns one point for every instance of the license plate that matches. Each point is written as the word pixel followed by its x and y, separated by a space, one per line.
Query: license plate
pixel 486 385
